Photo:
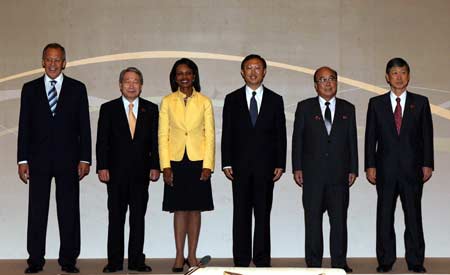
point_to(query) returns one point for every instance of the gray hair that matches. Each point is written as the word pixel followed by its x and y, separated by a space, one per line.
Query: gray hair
pixel 131 69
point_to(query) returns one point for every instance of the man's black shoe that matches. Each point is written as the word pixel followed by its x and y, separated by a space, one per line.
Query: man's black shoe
pixel 384 268
pixel 140 268
pixel 33 269
pixel 417 269
pixel 111 269
pixel 70 269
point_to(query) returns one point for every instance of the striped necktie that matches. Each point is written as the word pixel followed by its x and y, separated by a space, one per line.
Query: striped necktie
pixel 52 97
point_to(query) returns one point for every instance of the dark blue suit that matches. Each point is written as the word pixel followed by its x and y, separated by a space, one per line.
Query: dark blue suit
pixel 53 147
pixel 253 152
pixel 398 160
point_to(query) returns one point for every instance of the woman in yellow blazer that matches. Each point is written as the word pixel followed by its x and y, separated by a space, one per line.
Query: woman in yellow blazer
pixel 186 149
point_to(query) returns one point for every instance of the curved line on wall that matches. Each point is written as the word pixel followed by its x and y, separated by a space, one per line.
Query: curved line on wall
pixel 437 110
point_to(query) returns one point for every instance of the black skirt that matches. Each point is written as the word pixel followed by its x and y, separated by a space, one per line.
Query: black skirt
pixel 188 192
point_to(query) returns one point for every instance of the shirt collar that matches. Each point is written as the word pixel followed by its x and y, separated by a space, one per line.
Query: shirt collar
pixel 402 96
pixel 126 102
pixel 322 101
pixel 58 79
pixel 259 90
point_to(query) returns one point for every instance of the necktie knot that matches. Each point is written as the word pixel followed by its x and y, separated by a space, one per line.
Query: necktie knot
pixel 130 106
pixel 253 94
pixel 327 103
pixel 398 100
pixel 53 82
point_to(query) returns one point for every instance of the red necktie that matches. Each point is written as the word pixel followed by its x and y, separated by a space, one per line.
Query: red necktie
pixel 398 115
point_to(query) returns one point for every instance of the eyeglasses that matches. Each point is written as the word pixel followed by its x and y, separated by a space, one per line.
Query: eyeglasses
pixel 325 80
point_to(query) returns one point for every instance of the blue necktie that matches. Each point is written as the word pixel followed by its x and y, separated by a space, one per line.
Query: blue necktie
pixel 253 109
pixel 52 98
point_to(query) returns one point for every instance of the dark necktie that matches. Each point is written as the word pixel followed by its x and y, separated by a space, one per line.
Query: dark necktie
pixel 253 109
pixel 398 115
pixel 52 97
pixel 328 117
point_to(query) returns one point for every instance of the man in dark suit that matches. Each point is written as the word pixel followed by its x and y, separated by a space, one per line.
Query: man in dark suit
pixel 253 158
pixel 399 160
pixel 127 159
pixel 325 165
pixel 54 141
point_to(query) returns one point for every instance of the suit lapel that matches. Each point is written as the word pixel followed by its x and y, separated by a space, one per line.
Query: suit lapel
pixel 64 93
pixel 122 118
pixel 140 119
pixel 407 112
pixel 337 117
pixel 42 95
pixel 389 113
pixel 318 114
pixel 244 106
pixel 265 103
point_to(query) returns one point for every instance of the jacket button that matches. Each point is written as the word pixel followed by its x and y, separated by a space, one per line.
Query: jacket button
pixel 185 134
pixel 326 154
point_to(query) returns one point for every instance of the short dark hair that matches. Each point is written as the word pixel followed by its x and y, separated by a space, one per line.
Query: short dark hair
pixel 133 70
pixel 253 56
pixel 54 46
pixel 324 67
pixel 396 62
pixel 192 66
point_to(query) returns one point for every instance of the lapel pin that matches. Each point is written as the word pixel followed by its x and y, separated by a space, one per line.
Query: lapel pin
pixel 317 117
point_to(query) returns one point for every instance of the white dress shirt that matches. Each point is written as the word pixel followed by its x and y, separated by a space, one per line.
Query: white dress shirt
pixel 402 101
pixel 259 95
pixel 58 85
pixel 332 107
pixel 135 106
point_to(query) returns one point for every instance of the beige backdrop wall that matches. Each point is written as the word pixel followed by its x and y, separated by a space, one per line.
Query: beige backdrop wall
pixel 355 37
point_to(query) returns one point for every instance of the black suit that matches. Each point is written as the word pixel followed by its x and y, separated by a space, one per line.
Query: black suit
pixel 326 162
pixel 253 153
pixel 53 147
pixel 129 161
pixel 398 160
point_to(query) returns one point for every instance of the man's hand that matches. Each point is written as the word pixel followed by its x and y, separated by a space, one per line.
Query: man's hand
pixel 351 179
pixel 24 172
pixel 277 173
pixel 83 169
pixel 228 173
pixel 298 177
pixel 206 174
pixel 154 174
pixel 103 175
pixel 168 176
pixel 427 172
pixel 371 175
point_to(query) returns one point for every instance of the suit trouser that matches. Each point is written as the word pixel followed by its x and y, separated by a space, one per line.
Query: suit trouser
pixel 251 193
pixel 410 196
pixel 68 212
pixel 120 196
pixel 318 198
